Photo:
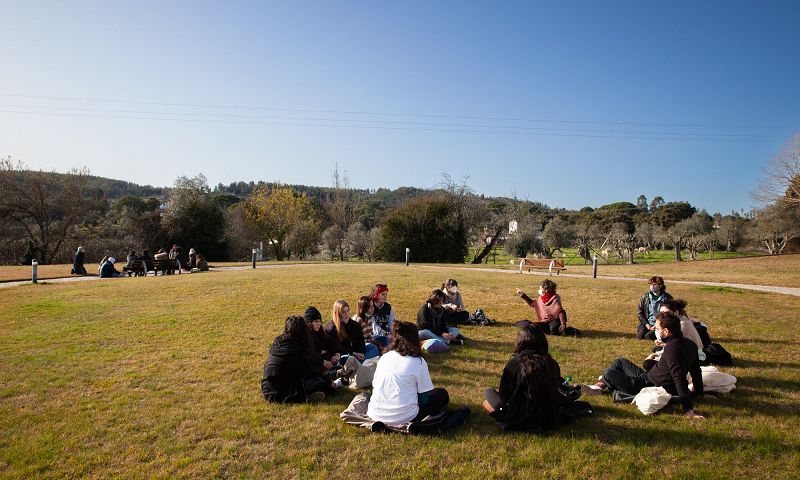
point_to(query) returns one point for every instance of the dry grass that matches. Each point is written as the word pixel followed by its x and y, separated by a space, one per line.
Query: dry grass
pixel 23 272
pixel 159 377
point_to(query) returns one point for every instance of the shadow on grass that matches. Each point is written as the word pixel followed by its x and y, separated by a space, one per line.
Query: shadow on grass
pixel 749 363
pixel 765 341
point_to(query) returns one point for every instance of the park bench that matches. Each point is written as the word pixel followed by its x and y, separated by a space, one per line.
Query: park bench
pixel 548 264
pixel 141 267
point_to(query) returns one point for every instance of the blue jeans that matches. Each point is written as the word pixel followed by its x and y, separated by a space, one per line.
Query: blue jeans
pixel 427 334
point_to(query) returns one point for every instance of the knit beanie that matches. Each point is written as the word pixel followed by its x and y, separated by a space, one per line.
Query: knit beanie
pixel 312 314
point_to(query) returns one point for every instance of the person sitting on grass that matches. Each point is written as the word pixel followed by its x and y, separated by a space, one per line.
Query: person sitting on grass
pixel 678 359
pixel 454 310
pixel 289 375
pixel 649 306
pixel 402 389
pixel 529 397
pixel 551 316
pixel 366 308
pixel 202 263
pixel 322 349
pixel 346 335
pixel 383 313
pixel 431 321
pixel 107 269
pixel 677 308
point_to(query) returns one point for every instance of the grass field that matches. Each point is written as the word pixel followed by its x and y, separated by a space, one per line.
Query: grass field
pixel 159 377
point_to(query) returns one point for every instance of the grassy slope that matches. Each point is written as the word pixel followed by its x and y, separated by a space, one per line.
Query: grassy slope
pixel 159 377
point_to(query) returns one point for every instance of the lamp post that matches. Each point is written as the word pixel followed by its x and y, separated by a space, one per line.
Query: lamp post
pixel 594 266
pixel 408 253
pixel 255 250
pixel 34 270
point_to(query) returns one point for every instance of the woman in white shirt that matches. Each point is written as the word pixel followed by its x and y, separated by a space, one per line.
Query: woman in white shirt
pixel 402 390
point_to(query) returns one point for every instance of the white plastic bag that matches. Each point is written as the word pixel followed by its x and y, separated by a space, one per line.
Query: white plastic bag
pixel 716 381
pixel 651 399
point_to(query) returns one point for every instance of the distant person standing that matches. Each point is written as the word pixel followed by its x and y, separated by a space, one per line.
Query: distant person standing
pixel 77 263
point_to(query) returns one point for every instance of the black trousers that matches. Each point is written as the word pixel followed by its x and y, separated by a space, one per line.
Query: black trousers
pixel 626 376
pixel 642 333
pixel 438 398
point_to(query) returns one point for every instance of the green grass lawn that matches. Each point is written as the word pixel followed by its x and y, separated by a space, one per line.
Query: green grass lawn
pixel 159 377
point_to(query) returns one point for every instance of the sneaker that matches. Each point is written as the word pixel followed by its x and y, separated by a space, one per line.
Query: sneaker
pixel 456 341
pixel 338 383
pixel 592 390
pixel 316 397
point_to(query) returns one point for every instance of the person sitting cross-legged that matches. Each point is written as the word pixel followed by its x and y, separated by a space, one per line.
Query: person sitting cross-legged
pixel 402 389
pixel 551 316
pixel 649 306
pixel 432 323
pixel 678 359
pixel 529 397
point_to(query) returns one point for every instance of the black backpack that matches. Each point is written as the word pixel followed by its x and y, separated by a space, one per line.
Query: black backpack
pixel 717 355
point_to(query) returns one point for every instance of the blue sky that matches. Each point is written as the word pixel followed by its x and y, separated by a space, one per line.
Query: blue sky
pixel 567 103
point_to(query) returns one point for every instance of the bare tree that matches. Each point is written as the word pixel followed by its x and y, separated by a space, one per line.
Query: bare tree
pixel 45 206
pixel 780 184
pixel 774 228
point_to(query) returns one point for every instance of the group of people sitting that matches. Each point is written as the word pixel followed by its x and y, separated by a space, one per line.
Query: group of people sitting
pixel 680 345
pixel 307 360
pixel 107 268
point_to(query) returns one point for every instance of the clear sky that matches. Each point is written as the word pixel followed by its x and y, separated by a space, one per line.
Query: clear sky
pixel 568 103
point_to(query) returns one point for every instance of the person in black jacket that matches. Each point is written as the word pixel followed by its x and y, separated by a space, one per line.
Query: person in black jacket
pixel 323 355
pixel 289 376
pixel 77 264
pixel 346 335
pixel 649 306
pixel 529 397
pixel 432 323
pixel 678 358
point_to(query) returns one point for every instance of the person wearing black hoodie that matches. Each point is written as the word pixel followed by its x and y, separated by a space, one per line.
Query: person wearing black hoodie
pixel 289 375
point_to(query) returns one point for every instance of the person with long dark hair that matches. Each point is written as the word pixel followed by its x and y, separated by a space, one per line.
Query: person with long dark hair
pixel 432 323
pixel 402 389
pixel 529 397
pixel 289 375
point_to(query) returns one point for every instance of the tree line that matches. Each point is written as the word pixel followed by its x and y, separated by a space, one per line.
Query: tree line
pixel 45 215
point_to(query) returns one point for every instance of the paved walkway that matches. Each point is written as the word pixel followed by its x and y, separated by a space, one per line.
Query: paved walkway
pixel 760 288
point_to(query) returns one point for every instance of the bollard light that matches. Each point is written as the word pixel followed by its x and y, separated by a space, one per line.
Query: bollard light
pixel 34 270
pixel 594 266
pixel 255 250
pixel 408 253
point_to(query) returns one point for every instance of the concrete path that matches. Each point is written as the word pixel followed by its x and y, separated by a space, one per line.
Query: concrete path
pixel 760 288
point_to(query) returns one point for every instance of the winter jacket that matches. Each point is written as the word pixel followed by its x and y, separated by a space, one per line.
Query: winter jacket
pixel 429 318
pixel 353 342
pixel 644 312
pixel 286 367
pixel 107 270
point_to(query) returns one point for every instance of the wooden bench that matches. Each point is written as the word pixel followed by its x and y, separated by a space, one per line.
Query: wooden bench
pixel 548 264
pixel 141 267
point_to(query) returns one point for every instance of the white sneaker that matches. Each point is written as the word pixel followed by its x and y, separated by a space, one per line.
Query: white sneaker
pixel 338 383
